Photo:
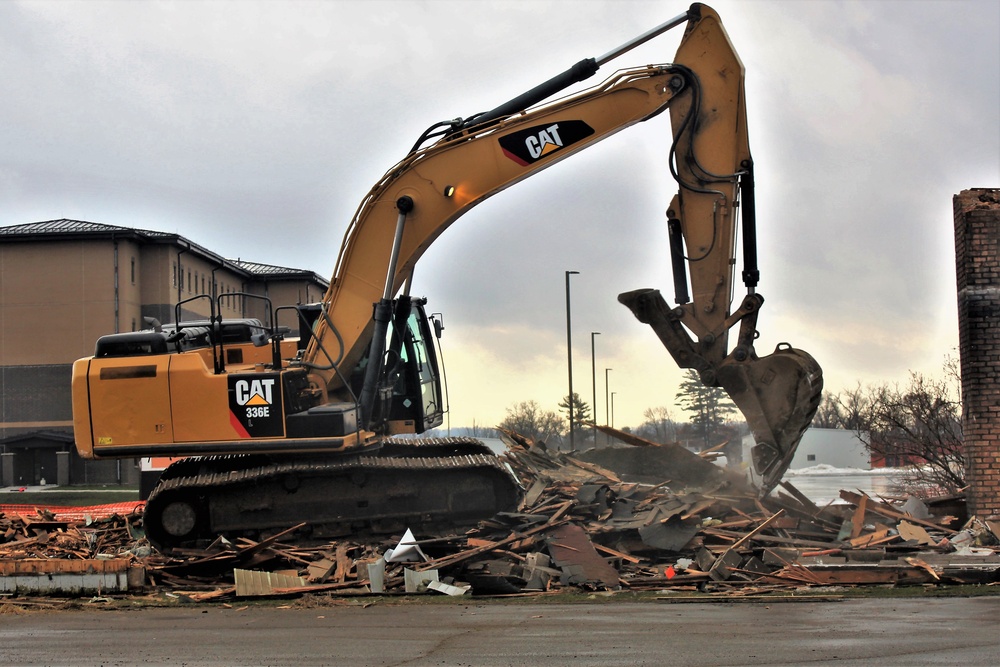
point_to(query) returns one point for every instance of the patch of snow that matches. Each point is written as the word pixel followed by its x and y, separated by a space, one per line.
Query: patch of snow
pixel 824 469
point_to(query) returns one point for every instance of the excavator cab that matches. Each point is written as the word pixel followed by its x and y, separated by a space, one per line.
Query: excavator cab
pixel 409 398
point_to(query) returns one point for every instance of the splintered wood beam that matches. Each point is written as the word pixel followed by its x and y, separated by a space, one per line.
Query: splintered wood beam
pixel 858 520
pixel 763 524
pixel 878 508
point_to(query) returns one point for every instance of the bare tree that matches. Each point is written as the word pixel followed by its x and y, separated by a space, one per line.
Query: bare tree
pixel 659 425
pixel 848 410
pixel 528 419
pixel 918 425
pixel 828 412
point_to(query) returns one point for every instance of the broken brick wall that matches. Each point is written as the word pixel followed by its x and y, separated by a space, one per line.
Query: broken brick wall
pixel 977 260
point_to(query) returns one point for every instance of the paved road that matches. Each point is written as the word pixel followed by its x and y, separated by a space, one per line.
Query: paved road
pixel 955 631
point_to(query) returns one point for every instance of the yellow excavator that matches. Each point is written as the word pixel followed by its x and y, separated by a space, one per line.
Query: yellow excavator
pixel 282 428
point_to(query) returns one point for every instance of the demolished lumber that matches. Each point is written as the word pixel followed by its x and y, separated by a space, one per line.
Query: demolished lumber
pixel 586 523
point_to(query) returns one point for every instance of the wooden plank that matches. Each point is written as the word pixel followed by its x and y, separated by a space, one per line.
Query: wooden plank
pixel 764 524
pixel 916 562
pixel 264 544
pixel 616 554
pixel 475 542
pixel 594 468
pixel 696 509
pixel 801 497
pixel 344 564
pixel 858 519
pixel 878 508
pixel 533 493
pixel 845 576
pixel 770 539
pixel 319 570
pixel 871 538
pixel 469 553
pixel 909 531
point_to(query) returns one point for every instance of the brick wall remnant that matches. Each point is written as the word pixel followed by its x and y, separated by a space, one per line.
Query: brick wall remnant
pixel 977 261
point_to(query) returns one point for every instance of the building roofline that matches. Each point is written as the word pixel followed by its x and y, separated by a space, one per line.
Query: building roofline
pixel 81 230
pixel 44 434
pixel 273 272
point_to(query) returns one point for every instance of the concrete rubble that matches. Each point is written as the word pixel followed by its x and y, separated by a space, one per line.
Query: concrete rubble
pixel 582 526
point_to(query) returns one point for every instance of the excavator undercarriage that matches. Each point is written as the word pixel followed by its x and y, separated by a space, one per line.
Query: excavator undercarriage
pixel 428 485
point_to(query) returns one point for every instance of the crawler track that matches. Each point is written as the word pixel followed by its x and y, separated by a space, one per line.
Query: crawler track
pixel 429 485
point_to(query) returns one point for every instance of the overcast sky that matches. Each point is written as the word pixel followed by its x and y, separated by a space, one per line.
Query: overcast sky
pixel 255 128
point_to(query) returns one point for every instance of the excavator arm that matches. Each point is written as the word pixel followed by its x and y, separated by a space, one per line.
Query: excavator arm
pixel 709 158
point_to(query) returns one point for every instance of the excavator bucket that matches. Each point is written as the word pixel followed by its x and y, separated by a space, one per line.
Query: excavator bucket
pixel 778 395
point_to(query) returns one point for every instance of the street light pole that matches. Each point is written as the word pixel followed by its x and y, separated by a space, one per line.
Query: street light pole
pixel 593 380
pixel 607 401
pixel 613 408
pixel 569 361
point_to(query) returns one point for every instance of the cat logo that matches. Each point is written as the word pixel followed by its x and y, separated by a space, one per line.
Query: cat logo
pixel 255 409
pixel 546 141
pixel 254 392
pixel 531 144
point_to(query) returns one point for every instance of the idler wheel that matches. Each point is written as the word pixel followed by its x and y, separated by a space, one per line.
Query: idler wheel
pixel 179 519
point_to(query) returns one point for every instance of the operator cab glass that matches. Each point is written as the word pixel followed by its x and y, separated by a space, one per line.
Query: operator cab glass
pixel 410 395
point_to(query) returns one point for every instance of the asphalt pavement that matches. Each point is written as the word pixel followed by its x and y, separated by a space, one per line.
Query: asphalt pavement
pixel 861 633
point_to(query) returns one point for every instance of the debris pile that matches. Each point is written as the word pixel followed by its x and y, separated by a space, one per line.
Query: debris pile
pixel 581 526
pixel 53 553
pixel 45 534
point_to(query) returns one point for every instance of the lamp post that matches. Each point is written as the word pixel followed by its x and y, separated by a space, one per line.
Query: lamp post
pixel 613 408
pixel 593 380
pixel 569 360
pixel 607 401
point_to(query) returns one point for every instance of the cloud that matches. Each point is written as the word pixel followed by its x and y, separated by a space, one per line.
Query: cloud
pixel 255 128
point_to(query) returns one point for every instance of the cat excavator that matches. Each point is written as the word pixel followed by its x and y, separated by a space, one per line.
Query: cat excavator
pixel 289 424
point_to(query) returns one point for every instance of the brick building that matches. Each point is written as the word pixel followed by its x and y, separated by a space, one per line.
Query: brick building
pixel 65 283
pixel 977 255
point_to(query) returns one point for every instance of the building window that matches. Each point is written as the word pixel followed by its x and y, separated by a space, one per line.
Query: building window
pixel 189 280
pixel 810 457
pixel 133 273
pixel 175 275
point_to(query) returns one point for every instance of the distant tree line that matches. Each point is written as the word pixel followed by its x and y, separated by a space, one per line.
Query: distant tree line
pixel 917 424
